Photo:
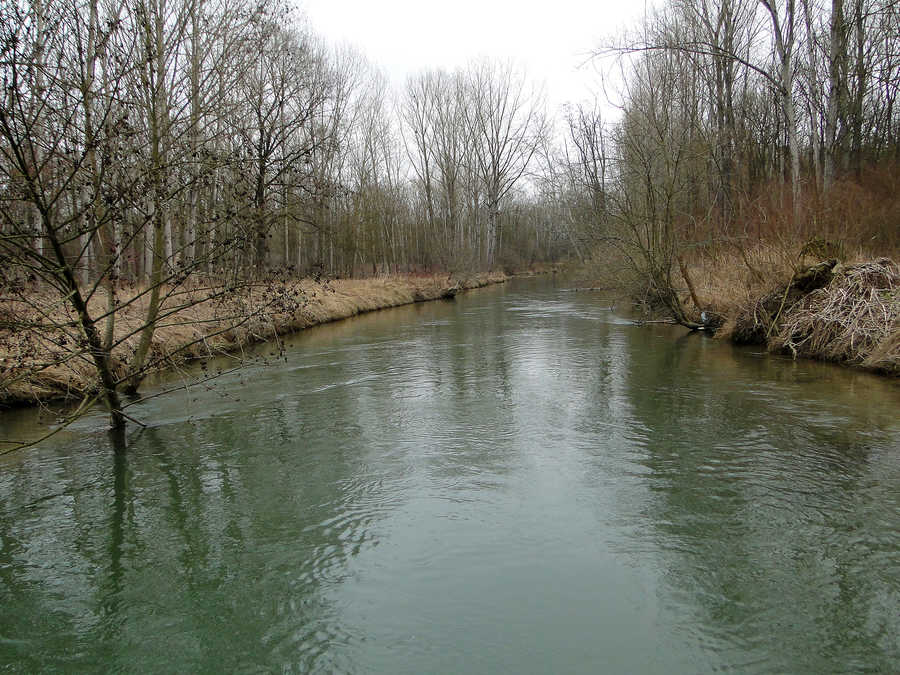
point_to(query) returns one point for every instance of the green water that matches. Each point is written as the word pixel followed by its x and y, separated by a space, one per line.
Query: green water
pixel 517 482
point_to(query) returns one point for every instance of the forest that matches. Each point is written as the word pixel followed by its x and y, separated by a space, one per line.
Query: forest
pixel 168 154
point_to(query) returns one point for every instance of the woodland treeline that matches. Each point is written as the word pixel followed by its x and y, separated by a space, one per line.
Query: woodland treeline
pixel 225 137
pixel 742 121
pixel 155 143
pixel 162 136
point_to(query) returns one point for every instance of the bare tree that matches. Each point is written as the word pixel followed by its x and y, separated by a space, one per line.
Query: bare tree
pixel 784 35
pixel 99 140
pixel 51 124
pixel 506 120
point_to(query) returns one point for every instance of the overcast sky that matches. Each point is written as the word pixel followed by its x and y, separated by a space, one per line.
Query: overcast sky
pixel 550 39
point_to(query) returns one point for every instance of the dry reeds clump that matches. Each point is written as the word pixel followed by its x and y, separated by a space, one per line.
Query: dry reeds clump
pixel 761 313
pixel 731 274
pixel 854 319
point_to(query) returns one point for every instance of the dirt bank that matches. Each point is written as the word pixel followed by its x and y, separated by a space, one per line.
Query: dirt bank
pixel 43 364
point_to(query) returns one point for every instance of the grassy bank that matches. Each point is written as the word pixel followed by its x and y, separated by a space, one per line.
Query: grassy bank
pixel 39 364
pixel 844 309
pixel 814 301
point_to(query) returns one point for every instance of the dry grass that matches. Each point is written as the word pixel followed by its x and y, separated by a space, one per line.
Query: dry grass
pixel 854 319
pixel 41 353
pixel 731 276
pixel 885 357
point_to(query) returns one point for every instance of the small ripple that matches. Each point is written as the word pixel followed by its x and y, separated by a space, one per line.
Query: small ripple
pixel 343 383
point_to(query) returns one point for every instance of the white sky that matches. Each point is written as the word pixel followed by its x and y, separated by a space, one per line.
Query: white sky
pixel 549 39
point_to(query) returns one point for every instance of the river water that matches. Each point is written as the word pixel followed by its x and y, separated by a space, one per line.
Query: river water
pixel 519 481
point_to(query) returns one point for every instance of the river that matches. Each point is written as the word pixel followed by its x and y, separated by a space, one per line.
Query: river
pixel 518 481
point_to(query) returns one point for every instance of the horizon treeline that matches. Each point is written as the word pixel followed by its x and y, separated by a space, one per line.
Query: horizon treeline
pixel 159 155
pixel 154 139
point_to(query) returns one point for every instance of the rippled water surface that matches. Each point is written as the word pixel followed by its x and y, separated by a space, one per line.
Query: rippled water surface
pixel 518 481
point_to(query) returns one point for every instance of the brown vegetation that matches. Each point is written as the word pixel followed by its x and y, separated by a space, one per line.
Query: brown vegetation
pixel 33 367
pixel 853 319
pixel 847 312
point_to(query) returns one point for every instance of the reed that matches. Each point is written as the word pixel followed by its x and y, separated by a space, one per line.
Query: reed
pixel 854 319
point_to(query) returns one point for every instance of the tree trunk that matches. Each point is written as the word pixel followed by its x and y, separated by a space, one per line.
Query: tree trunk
pixel 157 119
pixel 835 110
pixel 99 354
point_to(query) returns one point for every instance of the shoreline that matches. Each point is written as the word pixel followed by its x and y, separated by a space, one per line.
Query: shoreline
pixel 845 313
pixel 844 309
pixel 842 313
pixel 207 330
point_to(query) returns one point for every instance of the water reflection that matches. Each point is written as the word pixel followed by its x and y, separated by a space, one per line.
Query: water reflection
pixel 185 541
pixel 516 481
pixel 111 590
pixel 759 513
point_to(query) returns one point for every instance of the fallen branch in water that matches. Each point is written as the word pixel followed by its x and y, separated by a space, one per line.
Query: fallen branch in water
pixel 587 288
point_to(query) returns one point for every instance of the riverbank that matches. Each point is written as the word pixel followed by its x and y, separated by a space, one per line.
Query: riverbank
pixel 41 365
pixel 843 309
